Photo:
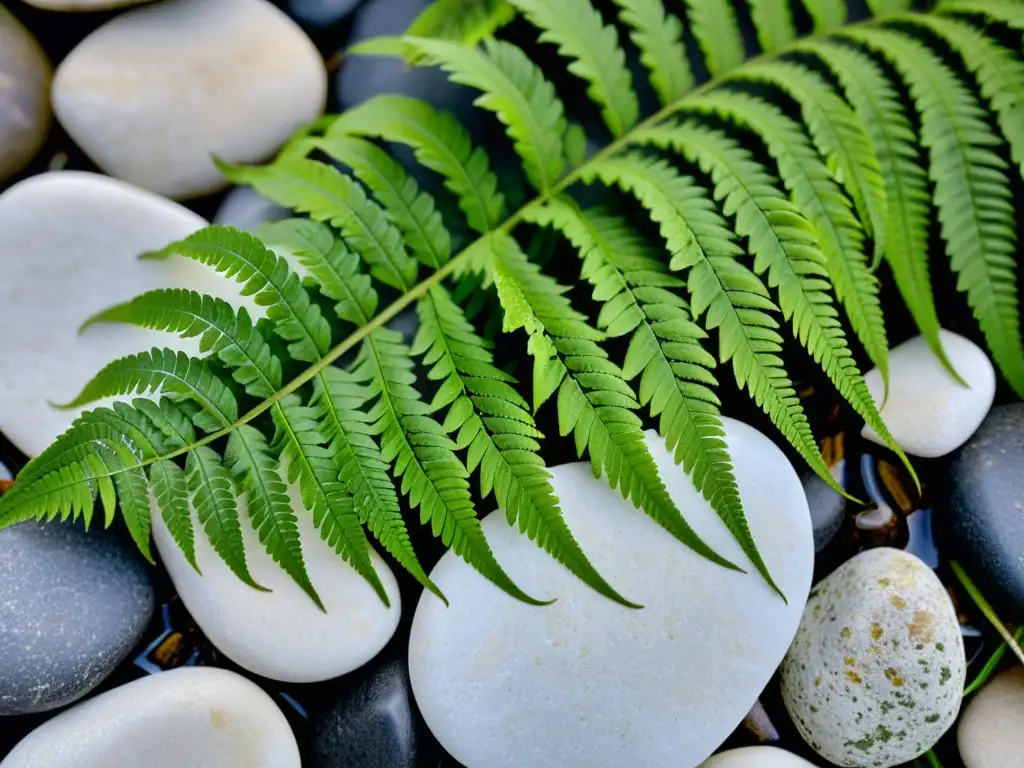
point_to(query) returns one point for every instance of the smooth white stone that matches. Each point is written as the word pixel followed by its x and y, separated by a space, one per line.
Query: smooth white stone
pixel 82 5
pixel 928 412
pixel 69 243
pixel 756 757
pixel 282 634
pixel 989 734
pixel 154 93
pixel 587 682
pixel 196 717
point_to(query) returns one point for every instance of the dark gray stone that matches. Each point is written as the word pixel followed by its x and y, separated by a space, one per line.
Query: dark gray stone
pixel 827 509
pixel 983 501
pixel 72 606
pixel 320 13
pixel 245 208
pixel 25 115
pixel 370 725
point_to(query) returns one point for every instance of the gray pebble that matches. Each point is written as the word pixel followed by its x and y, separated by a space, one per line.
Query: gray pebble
pixel 25 114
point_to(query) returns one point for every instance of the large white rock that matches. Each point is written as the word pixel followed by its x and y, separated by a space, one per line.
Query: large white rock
pixel 989 734
pixel 196 717
pixel 282 634
pixel 587 682
pixel 756 757
pixel 82 5
pixel 152 94
pixel 69 243
pixel 928 412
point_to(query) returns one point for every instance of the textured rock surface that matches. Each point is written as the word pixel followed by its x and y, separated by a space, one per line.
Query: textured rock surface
pixel 370 725
pixel 587 682
pixel 25 115
pixel 282 634
pixel 154 93
pixel 195 717
pixel 756 757
pixel 983 503
pixel 69 244
pixel 928 412
pixel 72 606
pixel 875 674
pixel 989 734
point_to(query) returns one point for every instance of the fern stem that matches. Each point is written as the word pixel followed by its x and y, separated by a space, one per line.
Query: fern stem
pixel 986 608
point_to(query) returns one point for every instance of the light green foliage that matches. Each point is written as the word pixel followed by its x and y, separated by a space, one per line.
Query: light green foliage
pixel 759 220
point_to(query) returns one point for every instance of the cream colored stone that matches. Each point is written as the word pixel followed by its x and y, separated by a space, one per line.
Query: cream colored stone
pixel 588 682
pixel 989 734
pixel 153 94
pixel 69 243
pixel 25 115
pixel 756 757
pixel 82 5
pixel 282 634
pixel 186 718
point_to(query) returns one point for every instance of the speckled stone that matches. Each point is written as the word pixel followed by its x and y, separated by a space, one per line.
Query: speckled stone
pixel 369 725
pixel 72 606
pixel 25 115
pixel 983 502
pixel 756 757
pixel 875 674
pixel 989 734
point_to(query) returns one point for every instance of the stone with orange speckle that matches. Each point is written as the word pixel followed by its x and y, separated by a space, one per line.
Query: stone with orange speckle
pixel 875 674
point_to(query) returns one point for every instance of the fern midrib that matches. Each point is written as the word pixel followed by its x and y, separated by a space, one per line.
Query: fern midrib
pixel 460 260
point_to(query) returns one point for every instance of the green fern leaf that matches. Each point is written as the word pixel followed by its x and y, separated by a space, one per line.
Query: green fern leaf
pixel 713 24
pixel 1008 12
pixel 133 497
pixel 462 21
pixel 784 245
pixel 170 490
pixel 515 89
pixel 170 418
pixel 256 471
pixel 999 71
pixel 880 110
pixel 213 496
pixel 266 277
pixel 581 35
pixel 736 301
pixel 840 138
pixel 659 37
pixel 439 142
pixel 638 297
pixel 819 197
pixel 887 7
pixel 773 21
pixel 827 14
pixel 230 336
pixel 972 193
pixel 301 446
pixel 595 404
pixel 173 373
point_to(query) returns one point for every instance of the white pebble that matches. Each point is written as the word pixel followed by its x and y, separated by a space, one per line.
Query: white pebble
pixel 756 757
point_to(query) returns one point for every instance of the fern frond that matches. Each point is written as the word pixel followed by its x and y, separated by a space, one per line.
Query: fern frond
pixel 515 89
pixel 1008 12
pixel 784 244
pixel 170 491
pixel 773 21
pixel 675 372
pixel 819 197
pixel 462 21
pixel 300 443
pixel 714 26
pixel 581 35
pixel 972 193
pixel 886 7
pixel 214 498
pixel 880 110
pixel 256 471
pixel 173 373
pixel 999 71
pixel 231 336
pixel 839 136
pixel 412 211
pixel 439 142
pixel 133 497
pixel 595 404
pixel 659 37
pixel 826 14
pixel 736 301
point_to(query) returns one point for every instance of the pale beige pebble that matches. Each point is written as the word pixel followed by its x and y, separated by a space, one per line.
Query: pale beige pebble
pixel 585 682
pixel 989 734
pixel 282 634
pixel 25 114
pixel 82 5
pixel 756 757
pixel 191 717
pixel 69 247
pixel 155 93
pixel 928 412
